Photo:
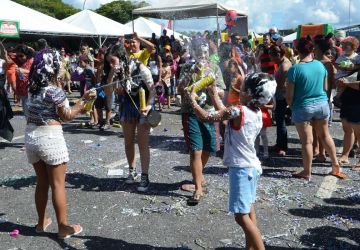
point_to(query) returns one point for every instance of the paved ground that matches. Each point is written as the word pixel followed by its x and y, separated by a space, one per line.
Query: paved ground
pixel 114 216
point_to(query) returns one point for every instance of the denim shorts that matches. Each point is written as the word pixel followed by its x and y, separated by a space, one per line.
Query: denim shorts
pixel 311 112
pixel 242 189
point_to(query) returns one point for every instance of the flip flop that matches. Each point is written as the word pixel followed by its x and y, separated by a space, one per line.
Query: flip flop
pixel 301 176
pixel 190 187
pixel 44 229
pixel 195 199
pixel 339 175
pixel 63 237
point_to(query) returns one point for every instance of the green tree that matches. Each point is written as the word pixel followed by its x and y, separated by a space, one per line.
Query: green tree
pixel 54 8
pixel 120 11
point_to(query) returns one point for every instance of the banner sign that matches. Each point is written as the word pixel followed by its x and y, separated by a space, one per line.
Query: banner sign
pixel 9 29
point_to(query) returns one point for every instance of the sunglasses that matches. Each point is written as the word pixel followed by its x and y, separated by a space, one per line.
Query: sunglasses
pixel 20 55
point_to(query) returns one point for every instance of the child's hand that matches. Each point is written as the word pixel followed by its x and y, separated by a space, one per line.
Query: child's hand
pixel 341 83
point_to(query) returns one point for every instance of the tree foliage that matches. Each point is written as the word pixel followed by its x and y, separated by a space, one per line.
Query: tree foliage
pixel 54 8
pixel 120 11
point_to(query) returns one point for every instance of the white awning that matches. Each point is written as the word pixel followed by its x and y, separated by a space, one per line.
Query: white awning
pixel 183 9
pixel 290 38
pixel 34 22
pixel 97 24
pixel 147 27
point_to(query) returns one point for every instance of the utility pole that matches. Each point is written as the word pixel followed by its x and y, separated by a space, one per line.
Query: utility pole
pixel 349 13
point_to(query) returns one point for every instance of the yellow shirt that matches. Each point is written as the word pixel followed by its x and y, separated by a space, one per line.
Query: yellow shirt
pixel 143 56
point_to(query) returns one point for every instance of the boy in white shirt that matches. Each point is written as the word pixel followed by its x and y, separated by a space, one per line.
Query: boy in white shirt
pixel 245 123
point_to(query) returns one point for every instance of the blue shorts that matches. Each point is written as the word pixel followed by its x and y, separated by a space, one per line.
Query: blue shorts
pixel 242 189
pixel 311 112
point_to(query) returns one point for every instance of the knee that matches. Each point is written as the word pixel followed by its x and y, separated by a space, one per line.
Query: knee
pixel 307 141
pixel 240 219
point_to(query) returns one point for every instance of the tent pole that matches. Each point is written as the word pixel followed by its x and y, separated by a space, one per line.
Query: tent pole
pixel 100 42
pixel 133 24
pixel 173 27
pixel 218 26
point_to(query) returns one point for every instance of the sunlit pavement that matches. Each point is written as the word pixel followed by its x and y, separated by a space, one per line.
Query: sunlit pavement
pixel 321 214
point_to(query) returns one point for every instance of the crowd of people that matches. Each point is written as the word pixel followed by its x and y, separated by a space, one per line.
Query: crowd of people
pixel 229 95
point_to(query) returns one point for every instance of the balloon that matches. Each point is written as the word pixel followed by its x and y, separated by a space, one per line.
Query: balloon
pixel 230 18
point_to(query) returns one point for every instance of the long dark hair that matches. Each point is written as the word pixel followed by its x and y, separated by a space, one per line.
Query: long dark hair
pixel 322 42
pixel 44 70
pixel 120 52
pixel 22 48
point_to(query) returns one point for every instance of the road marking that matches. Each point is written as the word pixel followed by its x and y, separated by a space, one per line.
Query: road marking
pixel 327 187
pixel 153 152
pixel 14 139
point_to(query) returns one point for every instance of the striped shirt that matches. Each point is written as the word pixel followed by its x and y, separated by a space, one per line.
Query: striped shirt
pixel 43 106
pixel 267 66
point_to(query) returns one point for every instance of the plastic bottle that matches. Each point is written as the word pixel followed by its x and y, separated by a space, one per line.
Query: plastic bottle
pixel 142 99
pixel 203 83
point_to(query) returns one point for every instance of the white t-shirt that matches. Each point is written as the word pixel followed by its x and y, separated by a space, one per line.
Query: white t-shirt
pixel 2 66
pixel 239 149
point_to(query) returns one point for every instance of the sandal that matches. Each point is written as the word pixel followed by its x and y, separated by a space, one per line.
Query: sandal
pixel 37 230
pixel 76 232
pixel 300 175
pixel 195 199
pixel 190 187
pixel 339 175
pixel 90 125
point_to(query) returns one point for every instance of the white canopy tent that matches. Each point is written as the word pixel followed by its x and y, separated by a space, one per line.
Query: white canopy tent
pixel 98 25
pixel 183 9
pixel 34 22
pixel 290 38
pixel 147 27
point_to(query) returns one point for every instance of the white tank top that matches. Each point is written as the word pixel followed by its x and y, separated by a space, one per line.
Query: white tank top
pixel 239 149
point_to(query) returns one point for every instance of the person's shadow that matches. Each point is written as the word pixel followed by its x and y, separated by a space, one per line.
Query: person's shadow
pixel 90 183
pixel 91 242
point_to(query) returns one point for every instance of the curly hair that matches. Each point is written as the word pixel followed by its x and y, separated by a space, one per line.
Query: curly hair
pixel 261 87
pixel 44 70
pixel 351 40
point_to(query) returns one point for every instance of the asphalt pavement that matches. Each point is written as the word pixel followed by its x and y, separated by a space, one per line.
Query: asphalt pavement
pixel 323 213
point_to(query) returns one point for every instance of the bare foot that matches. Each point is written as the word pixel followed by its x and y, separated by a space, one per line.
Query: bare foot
pixel 302 175
pixel 344 160
pixel 68 231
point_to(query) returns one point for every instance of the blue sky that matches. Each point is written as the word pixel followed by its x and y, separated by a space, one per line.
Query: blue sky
pixel 268 13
